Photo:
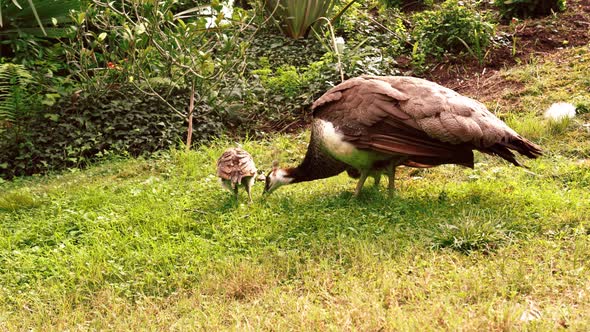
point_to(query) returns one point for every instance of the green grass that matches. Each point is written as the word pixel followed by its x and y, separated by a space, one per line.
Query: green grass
pixel 561 78
pixel 158 245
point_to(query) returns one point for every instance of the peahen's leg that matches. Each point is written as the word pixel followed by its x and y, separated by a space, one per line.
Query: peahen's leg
pixel 361 182
pixel 377 177
pixel 391 174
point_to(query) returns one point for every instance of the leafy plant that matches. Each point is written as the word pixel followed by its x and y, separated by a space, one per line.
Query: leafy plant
pixel 143 42
pixel 528 8
pixel 372 41
pixel 86 128
pixel 286 80
pixel 407 4
pixel 281 92
pixel 296 17
pixel 453 27
pixel 583 106
pixel 282 83
pixel 39 18
pixel 29 34
pixel 14 98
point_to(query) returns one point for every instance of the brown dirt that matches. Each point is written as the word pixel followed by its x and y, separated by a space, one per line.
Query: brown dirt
pixel 532 38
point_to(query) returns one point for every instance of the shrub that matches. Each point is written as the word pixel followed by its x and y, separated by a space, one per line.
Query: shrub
pixel 452 28
pixel 15 98
pixel 373 35
pixel 282 83
pixel 38 18
pixel 143 42
pixel 287 80
pixel 84 128
pixel 407 5
pixel 295 17
pixel 281 92
pixel 528 8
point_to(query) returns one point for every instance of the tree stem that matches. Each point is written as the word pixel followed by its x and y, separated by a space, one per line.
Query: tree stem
pixel 191 108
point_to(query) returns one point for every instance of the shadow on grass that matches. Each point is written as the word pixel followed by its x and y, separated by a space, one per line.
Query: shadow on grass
pixel 466 220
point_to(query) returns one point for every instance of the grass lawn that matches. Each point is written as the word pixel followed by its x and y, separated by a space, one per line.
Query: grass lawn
pixel 158 245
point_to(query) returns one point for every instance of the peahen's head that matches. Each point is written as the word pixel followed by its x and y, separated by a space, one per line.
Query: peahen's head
pixel 276 178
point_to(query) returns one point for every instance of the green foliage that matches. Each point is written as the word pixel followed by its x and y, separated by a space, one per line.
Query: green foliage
pixel 24 94
pixel 36 18
pixel 296 17
pixel 407 4
pixel 162 55
pixel 144 42
pixel 528 8
pixel 88 127
pixel 15 97
pixel 290 81
pixel 29 32
pixel 453 27
pixel 25 97
pixel 583 106
pixel 286 80
pixel 283 84
pixel 280 83
pixel 372 42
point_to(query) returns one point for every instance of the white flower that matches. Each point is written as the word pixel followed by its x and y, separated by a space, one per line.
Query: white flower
pixel 561 110
pixel 340 44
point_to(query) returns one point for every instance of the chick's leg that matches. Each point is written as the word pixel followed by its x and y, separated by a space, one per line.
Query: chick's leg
pixel 236 191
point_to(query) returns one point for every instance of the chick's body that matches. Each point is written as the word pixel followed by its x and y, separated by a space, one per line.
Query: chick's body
pixel 236 168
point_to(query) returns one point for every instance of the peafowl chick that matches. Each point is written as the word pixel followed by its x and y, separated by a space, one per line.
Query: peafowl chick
pixel 236 168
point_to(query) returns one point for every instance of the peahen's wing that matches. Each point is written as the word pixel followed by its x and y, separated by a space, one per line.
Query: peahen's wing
pixel 420 119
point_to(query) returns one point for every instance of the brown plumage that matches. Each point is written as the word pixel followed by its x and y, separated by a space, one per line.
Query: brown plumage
pixel 235 167
pixel 372 124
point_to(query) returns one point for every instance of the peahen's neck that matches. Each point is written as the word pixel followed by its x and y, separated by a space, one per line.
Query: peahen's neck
pixel 316 165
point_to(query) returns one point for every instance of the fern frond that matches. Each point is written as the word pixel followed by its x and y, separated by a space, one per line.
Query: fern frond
pixel 13 80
